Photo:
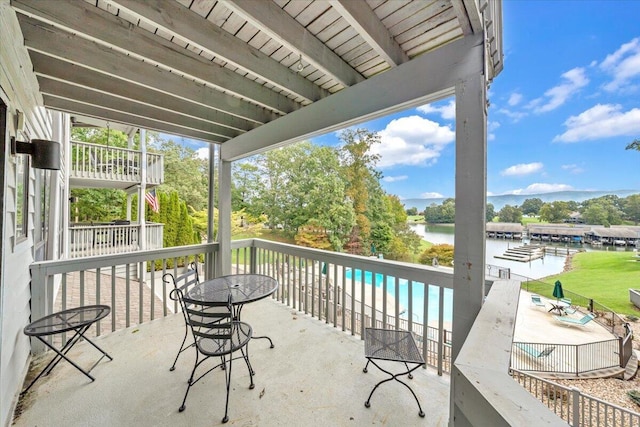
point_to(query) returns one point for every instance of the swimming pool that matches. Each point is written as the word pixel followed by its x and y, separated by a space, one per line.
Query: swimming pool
pixel 403 297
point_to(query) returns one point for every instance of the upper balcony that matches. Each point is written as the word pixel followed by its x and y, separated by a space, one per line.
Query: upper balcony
pixel 100 166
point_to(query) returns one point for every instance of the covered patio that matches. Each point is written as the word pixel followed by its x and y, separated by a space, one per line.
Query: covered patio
pixel 313 376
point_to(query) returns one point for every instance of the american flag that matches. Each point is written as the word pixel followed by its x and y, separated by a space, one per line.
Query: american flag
pixel 152 199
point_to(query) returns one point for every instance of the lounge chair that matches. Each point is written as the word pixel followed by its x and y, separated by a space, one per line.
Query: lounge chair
pixel 536 300
pixel 569 321
pixel 533 351
pixel 566 300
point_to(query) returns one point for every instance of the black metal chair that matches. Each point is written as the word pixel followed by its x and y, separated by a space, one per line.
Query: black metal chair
pixel 184 283
pixel 215 334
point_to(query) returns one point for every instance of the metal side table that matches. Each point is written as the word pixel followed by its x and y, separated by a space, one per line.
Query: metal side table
pixel 77 319
pixel 394 346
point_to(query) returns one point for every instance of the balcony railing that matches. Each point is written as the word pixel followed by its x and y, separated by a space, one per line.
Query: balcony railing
pixel 112 238
pixel 104 163
pixel 132 284
pixel 576 408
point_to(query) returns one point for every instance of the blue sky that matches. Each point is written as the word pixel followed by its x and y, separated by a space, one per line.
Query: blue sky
pixel 561 112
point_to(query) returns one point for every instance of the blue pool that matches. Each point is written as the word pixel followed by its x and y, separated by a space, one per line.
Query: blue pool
pixel 403 297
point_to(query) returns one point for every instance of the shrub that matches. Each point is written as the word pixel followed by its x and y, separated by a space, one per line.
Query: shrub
pixel 443 253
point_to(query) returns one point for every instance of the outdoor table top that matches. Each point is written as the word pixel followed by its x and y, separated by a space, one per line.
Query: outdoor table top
pixel 67 320
pixel 387 344
pixel 244 288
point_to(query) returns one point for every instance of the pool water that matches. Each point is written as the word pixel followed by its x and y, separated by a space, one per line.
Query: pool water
pixel 403 297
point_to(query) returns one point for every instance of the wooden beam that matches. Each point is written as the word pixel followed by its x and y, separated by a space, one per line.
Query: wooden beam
pixel 70 106
pixel 268 17
pixel 180 21
pixel 106 101
pixel 426 78
pixel 361 17
pixel 45 38
pixel 475 16
pixel 463 18
pixel 80 76
pixel 83 18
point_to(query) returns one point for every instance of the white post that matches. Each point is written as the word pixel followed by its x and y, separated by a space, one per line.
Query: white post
pixel 224 218
pixel 142 232
pixel 470 221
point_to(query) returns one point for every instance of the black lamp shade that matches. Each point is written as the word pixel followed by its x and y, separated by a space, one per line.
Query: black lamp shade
pixel 45 154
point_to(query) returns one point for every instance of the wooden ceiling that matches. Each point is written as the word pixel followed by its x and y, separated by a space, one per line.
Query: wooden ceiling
pixel 218 70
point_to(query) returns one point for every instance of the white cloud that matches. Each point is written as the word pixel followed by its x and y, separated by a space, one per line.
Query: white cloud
pixel 574 79
pixel 522 169
pixel 539 188
pixel 513 115
pixel 412 140
pixel 514 99
pixel 395 178
pixel 573 168
pixel 431 195
pixel 601 121
pixel 447 112
pixel 623 65
pixel 491 127
pixel 203 153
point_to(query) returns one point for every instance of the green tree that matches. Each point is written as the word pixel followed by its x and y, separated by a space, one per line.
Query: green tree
pixel 635 145
pixel 632 208
pixel 510 213
pixel 596 214
pixel 358 165
pixel 490 212
pixel 412 211
pixel 185 173
pixel 531 206
pixel 554 212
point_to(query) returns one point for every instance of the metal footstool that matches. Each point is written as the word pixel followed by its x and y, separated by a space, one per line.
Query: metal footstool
pixel 394 346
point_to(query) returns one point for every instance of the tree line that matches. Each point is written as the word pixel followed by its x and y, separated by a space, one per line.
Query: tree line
pixel 606 210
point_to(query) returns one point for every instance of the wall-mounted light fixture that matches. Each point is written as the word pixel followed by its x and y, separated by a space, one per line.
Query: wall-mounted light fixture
pixel 44 154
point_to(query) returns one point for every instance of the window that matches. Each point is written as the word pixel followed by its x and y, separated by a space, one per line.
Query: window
pixel 22 196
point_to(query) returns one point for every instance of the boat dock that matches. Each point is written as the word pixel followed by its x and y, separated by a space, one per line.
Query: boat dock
pixel 529 253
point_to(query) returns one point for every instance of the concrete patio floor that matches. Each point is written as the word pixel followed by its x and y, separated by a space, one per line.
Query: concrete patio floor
pixel 312 377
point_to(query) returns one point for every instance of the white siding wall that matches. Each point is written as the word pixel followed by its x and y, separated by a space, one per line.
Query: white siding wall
pixel 18 89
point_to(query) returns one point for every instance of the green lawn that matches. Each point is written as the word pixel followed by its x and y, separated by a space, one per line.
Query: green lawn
pixel 415 219
pixel 604 277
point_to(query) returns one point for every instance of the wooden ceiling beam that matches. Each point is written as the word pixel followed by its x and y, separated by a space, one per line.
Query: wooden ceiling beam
pixel 186 24
pixel 269 18
pixel 75 107
pixel 80 76
pixel 361 17
pixel 104 100
pixel 55 42
pixel 103 27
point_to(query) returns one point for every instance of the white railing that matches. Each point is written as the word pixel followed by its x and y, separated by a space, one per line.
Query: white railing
pixel 337 288
pixel 131 284
pixel 112 163
pixel 112 238
pixel 576 408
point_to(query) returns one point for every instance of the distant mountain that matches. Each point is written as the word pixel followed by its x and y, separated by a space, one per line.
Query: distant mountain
pixel 500 201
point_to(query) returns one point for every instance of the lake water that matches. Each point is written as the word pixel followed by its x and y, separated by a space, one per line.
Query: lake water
pixel 546 266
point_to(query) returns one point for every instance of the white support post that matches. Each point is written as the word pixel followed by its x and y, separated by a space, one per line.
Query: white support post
pixel 209 261
pixel 142 232
pixel 470 221
pixel 224 218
